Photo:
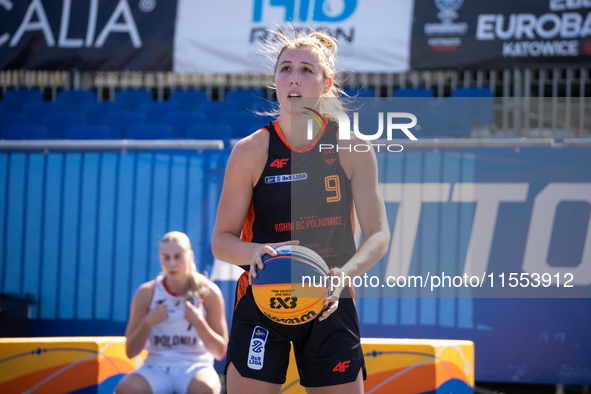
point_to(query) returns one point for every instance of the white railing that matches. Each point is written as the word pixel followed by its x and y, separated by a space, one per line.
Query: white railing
pixel 117 145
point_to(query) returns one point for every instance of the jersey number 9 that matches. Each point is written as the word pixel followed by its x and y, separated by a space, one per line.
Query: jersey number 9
pixel 332 184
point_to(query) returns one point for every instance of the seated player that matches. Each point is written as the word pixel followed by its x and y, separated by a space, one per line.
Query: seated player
pixel 179 319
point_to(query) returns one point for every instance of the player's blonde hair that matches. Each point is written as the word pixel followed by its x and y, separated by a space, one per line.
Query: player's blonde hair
pixel 197 281
pixel 323 45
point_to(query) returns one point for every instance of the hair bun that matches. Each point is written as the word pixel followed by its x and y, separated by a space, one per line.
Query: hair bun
pixel 325 40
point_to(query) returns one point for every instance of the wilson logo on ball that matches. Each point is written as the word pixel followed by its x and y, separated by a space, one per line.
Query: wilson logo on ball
pixel 311 315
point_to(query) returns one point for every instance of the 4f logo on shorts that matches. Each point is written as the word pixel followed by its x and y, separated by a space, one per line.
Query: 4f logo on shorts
pixel 342 366
pixel 256 352
pixel 286 303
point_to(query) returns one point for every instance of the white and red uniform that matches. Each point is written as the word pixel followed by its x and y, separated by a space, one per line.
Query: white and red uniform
pixel 175 350
pixel 174 340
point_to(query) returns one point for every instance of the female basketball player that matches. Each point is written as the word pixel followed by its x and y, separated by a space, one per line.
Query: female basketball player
pixel 179 318
pixel 259 211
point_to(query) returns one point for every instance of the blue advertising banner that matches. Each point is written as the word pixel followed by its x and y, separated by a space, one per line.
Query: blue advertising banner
pixel 512 212
pixel 79 231
pixel 87 35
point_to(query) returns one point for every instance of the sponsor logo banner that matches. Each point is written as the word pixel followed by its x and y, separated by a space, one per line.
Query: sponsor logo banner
pixel 227 36
pixel 496 34
pixel 87 35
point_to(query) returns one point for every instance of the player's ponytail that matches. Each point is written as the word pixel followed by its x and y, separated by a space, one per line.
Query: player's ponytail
pixel 328 47
pixel 197 282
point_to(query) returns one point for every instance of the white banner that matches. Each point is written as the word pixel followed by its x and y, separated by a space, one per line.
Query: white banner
pixel 225 36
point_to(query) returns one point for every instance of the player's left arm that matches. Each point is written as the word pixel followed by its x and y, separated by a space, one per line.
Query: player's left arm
pixel 362 169
pixel 212 328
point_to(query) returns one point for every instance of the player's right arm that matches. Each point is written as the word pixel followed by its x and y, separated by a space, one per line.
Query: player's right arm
pixel 245 166
pixel 141 319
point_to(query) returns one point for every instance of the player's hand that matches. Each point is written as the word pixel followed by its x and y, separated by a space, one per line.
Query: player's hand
pixel 157 315
pixel 259 252
pixel 332 302
pixel 194 313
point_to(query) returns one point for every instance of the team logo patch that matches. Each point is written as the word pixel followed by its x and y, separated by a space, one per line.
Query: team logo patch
pixel 286 178
pixel 256 353
pixel 329 156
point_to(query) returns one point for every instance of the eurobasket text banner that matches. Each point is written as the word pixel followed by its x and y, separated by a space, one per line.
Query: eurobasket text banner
pixel 480 34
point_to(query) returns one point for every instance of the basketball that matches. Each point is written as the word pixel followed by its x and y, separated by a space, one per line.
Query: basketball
pixel 292 287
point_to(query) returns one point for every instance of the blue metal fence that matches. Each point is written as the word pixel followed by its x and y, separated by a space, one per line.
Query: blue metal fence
pixel 80 229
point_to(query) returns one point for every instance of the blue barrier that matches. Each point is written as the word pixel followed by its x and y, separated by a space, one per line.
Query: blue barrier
pixel 490 210
pixel 79 229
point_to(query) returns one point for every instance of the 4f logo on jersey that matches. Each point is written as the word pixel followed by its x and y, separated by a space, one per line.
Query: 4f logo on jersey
pixel 279 163
pixel 286 303
pixel 340 367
